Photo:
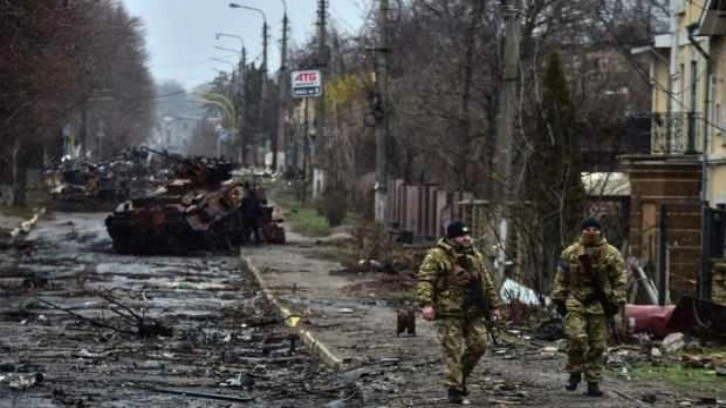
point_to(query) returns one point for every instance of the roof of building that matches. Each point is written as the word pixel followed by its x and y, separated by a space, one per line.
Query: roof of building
pixel 606 184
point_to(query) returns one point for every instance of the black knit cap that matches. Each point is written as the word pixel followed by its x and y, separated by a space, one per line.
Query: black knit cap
pixel 590 222
pixel 456 229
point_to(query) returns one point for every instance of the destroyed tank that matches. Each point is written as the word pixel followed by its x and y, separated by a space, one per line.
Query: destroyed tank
pixel 198 209
pixel 82 185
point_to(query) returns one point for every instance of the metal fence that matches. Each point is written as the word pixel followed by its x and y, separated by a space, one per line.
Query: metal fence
pixel 420 212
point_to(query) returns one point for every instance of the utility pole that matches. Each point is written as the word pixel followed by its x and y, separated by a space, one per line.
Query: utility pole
pixel 505 126
pixel 306 149
pixel 322 65
pixel 279 145
pixel 242 103
pixel 263 87
pixel 380 110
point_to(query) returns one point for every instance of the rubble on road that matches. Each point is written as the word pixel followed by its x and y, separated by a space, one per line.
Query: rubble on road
pixel 112 327
pixel 673 343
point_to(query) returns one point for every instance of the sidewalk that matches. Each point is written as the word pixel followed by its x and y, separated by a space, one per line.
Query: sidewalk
pixel 405 371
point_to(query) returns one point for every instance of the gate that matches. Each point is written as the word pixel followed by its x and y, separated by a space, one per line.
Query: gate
pixel 714 263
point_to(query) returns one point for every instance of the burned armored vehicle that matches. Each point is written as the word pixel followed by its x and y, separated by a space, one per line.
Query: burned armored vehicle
pixel 197 209
pixel 82 185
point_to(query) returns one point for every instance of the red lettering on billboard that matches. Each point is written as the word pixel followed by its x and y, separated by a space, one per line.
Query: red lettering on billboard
pixel 306 77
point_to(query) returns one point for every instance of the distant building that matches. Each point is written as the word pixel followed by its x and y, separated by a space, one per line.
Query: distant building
pixel 174 133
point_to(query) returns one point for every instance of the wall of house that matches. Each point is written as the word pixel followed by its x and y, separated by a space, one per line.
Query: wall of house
pixel 681 91
pixel 673 181
pixel 717 185
pixel 717 128
pixel 659 74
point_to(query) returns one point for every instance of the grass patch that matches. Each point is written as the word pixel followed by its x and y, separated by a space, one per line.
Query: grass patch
pixel 305 219
pixel 684 379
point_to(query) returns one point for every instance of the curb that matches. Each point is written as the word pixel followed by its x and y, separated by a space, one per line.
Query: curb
pixel 318 348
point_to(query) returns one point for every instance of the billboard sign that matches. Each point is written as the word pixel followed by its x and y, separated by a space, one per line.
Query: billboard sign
pixel 307 84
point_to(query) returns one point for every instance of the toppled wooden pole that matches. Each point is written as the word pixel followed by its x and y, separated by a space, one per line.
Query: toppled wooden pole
pixel 199 394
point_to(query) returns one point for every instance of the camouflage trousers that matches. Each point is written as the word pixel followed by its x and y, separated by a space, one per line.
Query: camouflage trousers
pixel 587 336
pixel 463 342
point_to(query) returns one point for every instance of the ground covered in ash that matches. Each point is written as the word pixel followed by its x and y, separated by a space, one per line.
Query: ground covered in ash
pixel 83 327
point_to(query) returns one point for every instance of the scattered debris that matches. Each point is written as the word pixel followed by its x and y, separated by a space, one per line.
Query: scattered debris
pixel 673 343
pixel 406 321
pixel 698 317
pixel 512 291
pixel 549 330
pixel 650 398
pixel 650 319
pixel 134 322
pixel 21 382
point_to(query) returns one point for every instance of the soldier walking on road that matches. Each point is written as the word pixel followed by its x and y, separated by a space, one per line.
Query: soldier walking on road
pixel 589 290
pixel 457 292
pixel 252 213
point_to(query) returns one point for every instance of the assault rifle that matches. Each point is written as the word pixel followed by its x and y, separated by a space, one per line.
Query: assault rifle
pixel 475 296
pixel 599 295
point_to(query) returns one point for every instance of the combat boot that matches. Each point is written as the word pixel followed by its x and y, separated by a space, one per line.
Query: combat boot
pixel 456 396
pixel 573 382
pixel 593 389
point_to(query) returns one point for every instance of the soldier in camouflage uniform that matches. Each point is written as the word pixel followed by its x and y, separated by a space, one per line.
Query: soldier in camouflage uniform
pixel 455 289
pixel 585 323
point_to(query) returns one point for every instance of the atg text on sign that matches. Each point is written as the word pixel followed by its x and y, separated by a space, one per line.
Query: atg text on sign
pixel 306 84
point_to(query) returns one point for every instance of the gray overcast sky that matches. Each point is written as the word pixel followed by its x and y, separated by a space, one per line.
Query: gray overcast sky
pixel 180 33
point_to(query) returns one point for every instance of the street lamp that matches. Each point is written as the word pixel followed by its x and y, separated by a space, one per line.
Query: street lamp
pixel 224 61
pixel 238 52
pixel 240 87
pixel 279 140
pixel 263 68
pixel 220 35
pixel 235 5
pixel 264 31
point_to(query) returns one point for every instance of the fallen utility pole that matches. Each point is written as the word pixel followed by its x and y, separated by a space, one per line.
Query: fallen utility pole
pixel 199 394
pixel 382 115
pixel 505 128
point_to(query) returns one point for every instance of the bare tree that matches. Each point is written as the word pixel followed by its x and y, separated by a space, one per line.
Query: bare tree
pixel 63 62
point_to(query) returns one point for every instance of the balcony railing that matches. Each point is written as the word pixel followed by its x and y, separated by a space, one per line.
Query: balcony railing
pixel 675 133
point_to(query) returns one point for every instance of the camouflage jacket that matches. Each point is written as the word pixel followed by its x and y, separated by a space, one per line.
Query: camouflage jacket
pixel 444 284
pixel 574 286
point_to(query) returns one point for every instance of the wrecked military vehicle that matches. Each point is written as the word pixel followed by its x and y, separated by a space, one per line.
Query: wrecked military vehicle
pixel 196 210
pixel 82 185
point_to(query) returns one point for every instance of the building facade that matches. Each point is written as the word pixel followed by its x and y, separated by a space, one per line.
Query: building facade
pixel 679 186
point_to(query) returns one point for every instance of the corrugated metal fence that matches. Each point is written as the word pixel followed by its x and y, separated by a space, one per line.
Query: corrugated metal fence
pixel 420 212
